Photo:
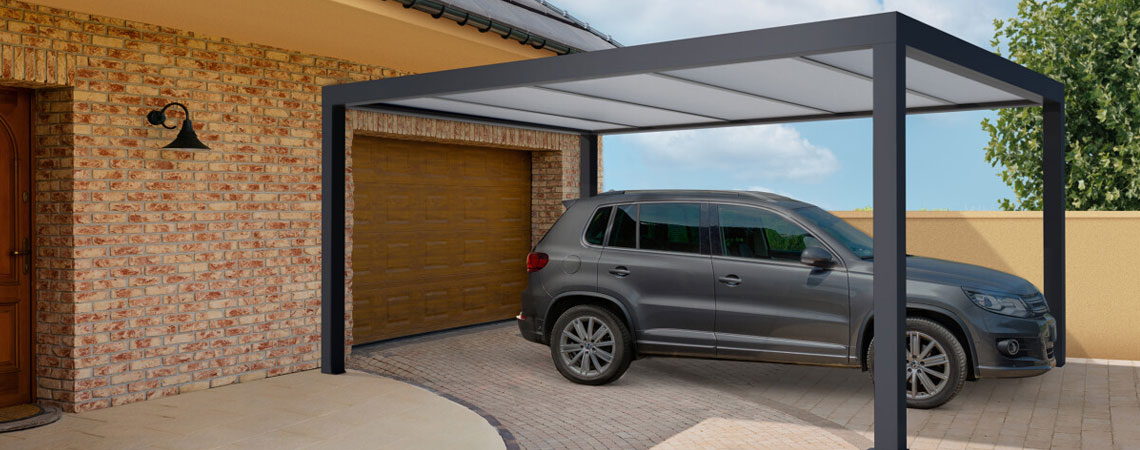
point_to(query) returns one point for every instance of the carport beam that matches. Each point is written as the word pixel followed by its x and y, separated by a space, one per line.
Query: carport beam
pixel 588 165
pixel 889 285
pixel 1053 215
pixel 332 238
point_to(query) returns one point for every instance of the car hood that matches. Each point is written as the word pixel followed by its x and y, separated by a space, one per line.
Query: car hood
pixel 966 275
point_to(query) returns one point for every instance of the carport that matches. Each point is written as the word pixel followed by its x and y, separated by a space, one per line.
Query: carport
pixel 882 66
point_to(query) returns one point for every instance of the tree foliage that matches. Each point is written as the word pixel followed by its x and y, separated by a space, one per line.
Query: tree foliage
pixel 1091 46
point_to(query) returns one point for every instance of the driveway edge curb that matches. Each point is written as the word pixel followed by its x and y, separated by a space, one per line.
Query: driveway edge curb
pixel 508 438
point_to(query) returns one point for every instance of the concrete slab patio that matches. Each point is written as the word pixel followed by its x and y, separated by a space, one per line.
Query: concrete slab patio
pixel 302 410
pixel 689 403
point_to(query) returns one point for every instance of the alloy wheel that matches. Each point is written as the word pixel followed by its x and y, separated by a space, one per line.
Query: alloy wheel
pixel 587 346
pixel 927 366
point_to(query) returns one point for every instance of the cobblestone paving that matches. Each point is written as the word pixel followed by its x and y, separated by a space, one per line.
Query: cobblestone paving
pixel 514 381
pixel 692 403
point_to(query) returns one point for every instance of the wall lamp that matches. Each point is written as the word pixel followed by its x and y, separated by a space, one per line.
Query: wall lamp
pixel 186 137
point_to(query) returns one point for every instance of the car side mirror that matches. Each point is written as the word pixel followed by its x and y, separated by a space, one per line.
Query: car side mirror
pixel 818 257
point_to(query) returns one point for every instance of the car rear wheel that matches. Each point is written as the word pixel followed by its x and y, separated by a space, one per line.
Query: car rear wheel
pixel 590 345
pixel 935 363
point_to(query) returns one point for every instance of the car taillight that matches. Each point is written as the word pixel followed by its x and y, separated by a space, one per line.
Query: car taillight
pixel 536 261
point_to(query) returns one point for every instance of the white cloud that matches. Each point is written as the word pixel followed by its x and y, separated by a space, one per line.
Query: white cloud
pixel 638 21
pixel 764 152
pixel 972 20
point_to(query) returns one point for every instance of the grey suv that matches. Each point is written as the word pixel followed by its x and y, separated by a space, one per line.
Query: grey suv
pixel 756 276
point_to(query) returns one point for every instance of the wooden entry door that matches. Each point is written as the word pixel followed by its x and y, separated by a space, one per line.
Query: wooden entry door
pixel 15 245
pixel 440 236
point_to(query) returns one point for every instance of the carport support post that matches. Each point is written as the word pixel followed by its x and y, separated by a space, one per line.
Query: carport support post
pixel 332 238
pixel 889 286
pixel 1053 212
pixel 588 165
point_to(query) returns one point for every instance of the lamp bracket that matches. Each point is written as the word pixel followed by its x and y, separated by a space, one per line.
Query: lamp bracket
pixel 158 117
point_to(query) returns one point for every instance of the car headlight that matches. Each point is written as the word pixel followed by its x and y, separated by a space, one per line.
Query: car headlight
pixel 1006 304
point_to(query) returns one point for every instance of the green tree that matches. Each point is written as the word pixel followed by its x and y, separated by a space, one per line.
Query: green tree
pixel 1091 46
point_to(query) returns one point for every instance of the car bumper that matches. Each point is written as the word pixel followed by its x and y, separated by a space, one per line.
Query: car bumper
pixel 527 328
pixel 1037 339
pixel 1013 372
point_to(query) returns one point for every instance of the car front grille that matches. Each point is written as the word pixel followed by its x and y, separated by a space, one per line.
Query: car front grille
pixel 1036 303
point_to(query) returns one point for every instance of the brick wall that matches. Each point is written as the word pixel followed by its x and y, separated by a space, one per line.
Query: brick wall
pixel 167 271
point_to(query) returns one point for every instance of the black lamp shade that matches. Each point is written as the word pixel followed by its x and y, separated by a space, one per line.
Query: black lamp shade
pixel 187 138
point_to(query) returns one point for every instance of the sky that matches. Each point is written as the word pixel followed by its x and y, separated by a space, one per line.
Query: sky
pixel 826 163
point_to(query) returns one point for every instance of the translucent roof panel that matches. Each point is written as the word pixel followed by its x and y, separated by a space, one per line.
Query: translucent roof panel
pixel 491 112
pixel 799 80
pixel 815 71
pixel 922 78
pixel 535 99
pixel 958 89
pixel 790 80
pixel 682 95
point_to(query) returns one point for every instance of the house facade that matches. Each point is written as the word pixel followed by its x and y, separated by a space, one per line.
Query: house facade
pixel 132 271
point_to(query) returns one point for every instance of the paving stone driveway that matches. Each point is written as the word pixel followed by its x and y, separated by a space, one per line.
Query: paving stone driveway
pixel 691 403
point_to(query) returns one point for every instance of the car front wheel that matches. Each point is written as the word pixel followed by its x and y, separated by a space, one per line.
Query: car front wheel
pixel 590 345
pixel 935 363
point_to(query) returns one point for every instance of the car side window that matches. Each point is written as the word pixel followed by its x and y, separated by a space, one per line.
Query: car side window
pixel 596 231
pixel 671 227
pixel 624 232
pixel 742 232
pixel 748 232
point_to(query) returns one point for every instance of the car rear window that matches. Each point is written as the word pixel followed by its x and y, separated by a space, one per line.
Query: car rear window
pixel 596 232
pixel 672 227
pixel 624 233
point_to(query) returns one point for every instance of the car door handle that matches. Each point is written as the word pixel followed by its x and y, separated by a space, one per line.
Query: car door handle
pixel 619 271
pixel 731 280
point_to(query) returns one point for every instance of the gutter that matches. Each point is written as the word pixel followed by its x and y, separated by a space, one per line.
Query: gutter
pixel 484 24
pixel 565 17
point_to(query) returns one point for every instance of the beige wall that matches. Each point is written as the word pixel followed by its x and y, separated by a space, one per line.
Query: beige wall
pixel 1102 260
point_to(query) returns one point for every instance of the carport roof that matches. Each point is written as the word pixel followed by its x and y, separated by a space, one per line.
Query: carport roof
pixel 813 71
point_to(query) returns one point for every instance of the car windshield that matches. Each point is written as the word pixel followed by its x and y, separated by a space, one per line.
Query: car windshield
pixel 859 243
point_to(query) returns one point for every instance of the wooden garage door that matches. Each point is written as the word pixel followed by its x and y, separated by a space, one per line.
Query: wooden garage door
pixel 440 238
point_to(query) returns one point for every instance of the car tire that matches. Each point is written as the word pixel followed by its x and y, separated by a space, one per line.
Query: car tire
pixel 927 331
pixel 581 340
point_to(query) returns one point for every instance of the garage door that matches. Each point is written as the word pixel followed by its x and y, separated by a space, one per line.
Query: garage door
pixel 440 237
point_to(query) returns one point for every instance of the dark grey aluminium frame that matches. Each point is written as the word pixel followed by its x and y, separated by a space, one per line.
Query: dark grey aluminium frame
pixel 892 37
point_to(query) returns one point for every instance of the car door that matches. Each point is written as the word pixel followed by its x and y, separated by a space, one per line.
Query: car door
pixel 770 306
pixel 657 261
